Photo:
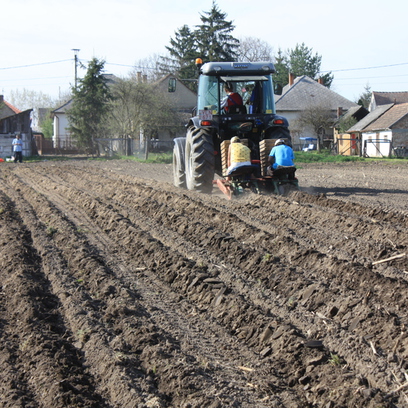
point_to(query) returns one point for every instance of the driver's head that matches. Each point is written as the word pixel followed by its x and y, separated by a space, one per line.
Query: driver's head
pixel 228 87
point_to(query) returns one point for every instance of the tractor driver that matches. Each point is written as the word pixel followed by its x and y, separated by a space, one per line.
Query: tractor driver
pixel 232 98
pixel 281 157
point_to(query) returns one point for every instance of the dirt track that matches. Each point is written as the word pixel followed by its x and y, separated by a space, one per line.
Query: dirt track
pixel 119 290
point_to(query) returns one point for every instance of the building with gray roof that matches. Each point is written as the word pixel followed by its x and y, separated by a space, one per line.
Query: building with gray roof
pixel 304 93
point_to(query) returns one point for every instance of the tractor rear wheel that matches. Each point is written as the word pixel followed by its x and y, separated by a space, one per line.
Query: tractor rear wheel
pixel 179 168
pixel 200 160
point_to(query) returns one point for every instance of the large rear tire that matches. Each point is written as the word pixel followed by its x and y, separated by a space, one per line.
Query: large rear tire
pixel 279 133
pixel 200 160
pixel 179 168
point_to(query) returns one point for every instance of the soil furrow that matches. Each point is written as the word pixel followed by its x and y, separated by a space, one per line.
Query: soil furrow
pixel 63 225
pixel 154 207
pixel 170 298
pixel 35 309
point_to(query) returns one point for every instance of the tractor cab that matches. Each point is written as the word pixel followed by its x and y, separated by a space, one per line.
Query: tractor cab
pixel 255 93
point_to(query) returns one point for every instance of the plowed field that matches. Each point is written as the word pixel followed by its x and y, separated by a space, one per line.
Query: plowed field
pixel 119 290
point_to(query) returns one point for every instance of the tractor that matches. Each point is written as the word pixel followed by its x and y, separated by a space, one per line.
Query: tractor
pixel 201 156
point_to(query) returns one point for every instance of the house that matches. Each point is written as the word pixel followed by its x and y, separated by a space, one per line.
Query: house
pixel 351 142
pixel 386 98
pixel 383 132
pixel 183 100
pixel 7 109
pixel 303 93
pixel 14 121
pixel 348 144
pixel 61 137
pixel 388 134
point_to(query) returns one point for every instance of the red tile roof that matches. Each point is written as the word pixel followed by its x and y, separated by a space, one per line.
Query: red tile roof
pixel 13 108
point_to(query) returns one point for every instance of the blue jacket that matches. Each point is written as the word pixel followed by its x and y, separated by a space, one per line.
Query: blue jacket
pixel 283 155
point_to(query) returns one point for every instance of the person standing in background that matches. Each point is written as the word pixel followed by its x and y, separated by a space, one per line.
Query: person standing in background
pixel 18 149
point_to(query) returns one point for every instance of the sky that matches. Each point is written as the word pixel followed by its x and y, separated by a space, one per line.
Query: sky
pixel 362 42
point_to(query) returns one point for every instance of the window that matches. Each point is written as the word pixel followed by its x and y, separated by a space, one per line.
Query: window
pixel 172 84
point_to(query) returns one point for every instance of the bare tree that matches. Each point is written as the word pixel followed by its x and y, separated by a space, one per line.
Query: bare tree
pixel 36 100
pixel 139 105
pixel 150 68
pixel 253 49
pixel 317 118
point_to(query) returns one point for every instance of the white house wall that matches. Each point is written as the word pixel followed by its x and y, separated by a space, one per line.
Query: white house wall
pixel 377 143
pixel 61 137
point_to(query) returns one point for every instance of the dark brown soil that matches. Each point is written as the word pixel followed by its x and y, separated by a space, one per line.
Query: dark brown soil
pixel 119 290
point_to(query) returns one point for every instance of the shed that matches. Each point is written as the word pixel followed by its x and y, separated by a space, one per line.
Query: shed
pixel 14 121
pixel 388 134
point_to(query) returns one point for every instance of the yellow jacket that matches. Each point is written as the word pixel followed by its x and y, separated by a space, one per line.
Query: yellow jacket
pixel 239 153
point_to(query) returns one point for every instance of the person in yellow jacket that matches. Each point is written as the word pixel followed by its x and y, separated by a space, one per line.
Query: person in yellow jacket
pixel 238 155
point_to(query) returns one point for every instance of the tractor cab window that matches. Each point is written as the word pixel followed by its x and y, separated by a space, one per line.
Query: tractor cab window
pixel 208 94
pixel 256 93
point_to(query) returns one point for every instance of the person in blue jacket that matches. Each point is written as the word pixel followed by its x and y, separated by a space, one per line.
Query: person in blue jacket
pixel 281 157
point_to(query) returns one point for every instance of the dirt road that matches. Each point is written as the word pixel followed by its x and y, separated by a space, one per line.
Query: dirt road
pixel 119 290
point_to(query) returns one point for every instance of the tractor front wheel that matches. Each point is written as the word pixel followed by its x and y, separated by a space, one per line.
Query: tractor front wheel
pixel 200 160
pixel 179 168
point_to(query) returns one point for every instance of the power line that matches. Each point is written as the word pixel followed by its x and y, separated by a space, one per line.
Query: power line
pixel 373 77
pixel 359 69
pixel 34 79
pixel 130 66
pixel 120 65
pixel 34 65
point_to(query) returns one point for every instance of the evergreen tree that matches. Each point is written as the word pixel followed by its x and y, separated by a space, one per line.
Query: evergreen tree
pixel 90 107
pixel 183 53
pixel 215 41
pixel 299 61
pixel 365 98
pixel 47 126
pixel 303 62
pixel 210 41
pixel 281 76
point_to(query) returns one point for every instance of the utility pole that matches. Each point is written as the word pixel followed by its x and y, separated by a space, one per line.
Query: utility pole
pixel 76 50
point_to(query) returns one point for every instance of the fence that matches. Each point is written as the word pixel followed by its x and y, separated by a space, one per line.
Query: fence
pixel 130 147
pixel 46 147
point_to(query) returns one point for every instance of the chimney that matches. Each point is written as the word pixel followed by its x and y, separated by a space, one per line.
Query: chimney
pixel 139 77
pixel 320 81
pixel 291 79
pixel 339 112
